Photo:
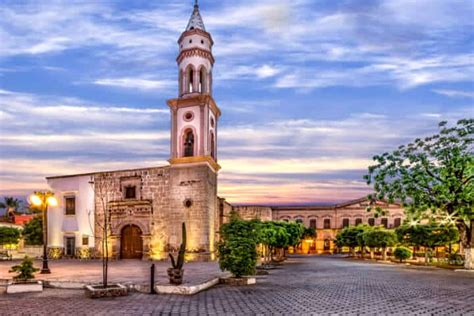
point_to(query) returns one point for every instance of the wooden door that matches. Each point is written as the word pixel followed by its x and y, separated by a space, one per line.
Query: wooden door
pixel 131 243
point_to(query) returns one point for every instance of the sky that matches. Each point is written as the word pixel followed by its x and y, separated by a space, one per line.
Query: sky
pixel 310 90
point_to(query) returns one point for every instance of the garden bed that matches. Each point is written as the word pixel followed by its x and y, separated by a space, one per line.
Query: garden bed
pixel 98 291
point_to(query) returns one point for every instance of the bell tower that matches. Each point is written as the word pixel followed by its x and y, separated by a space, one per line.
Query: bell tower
pixel 194 114
pixel 193 159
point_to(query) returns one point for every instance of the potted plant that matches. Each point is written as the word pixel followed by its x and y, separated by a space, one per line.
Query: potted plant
pixel 176 271
pixel 23 281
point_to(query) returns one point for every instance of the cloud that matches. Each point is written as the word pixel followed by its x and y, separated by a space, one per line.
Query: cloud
pixel 455 93
pixel 136 83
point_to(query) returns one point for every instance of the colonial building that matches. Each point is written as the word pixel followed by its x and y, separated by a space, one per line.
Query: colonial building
pixel 328 220
pixel 145 207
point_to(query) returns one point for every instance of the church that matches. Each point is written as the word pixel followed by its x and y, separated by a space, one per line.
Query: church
pixel 145 207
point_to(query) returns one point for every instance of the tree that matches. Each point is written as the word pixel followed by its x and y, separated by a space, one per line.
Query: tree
pixel 25 270
pixel 11 205
pixel 348 237
pixel 402 253
pixel 9 235
pixel 360 238
pixel 433 179
pixel 33 231
pixel 237 249
pixel 428 236
pixel 380 238
pixel 103 185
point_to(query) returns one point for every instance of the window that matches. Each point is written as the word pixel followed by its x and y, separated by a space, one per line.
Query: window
pixel 70 205
pixel 213 146
pixel 358 221
pixel 189 144
pixel 202 41
pixel 327 223
pixel 371 221
pixel 190 80
pixel 312 223
pixel 345 222
pixel 327 244
pixel 85 240
pixel 397 222
pixel 385 222
pixel 202 80
pixel 131 192
pixel 299 220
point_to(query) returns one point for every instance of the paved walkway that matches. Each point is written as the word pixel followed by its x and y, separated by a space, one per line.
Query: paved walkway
pixel 304 285
pixel 123 271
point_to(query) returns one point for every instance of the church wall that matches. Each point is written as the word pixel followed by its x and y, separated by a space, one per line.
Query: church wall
pixel 196 184
pixel 148 211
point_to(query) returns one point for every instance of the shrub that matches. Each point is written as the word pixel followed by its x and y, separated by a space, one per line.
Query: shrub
pixel 402 253
pixel 25 270
pixel 237 249
pixel 33 231
pixel 9 235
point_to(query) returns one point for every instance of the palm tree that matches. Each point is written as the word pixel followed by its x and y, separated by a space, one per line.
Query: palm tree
pixel 10 204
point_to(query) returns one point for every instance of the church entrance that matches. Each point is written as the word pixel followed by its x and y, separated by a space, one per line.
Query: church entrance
pixel 131 244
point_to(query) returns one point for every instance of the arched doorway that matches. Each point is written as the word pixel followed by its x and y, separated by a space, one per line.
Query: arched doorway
pixel 131 244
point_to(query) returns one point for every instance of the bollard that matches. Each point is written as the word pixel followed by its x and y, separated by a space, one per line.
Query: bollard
pixel 152 279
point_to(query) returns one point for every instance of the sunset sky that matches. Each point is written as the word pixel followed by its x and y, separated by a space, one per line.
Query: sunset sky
pixel 309 90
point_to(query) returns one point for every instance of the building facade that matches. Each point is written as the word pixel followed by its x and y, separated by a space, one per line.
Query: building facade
pixel 145 207
pixel 328 220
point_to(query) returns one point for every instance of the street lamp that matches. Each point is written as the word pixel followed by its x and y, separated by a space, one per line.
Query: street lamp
pixel 42 200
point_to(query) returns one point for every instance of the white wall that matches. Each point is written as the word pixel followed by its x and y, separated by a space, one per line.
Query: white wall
pixel 78 225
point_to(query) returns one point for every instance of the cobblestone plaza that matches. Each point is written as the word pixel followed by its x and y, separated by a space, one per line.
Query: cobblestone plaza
pixel 303 285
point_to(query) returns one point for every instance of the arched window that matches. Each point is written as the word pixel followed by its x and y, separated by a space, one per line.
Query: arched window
pixel 327 223
pixel 397 222
pixel 190 79
pixel 371 221
pixel 345 222
pixel 312 223
pixel 189 143
pixel 358 221
pixel 213 147
pixel 202 80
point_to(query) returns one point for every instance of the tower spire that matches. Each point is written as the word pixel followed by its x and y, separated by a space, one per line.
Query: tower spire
pixel 195 21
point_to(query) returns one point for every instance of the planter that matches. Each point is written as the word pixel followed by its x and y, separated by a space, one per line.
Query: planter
pixel 239 281
pixel 98 291
pixel 24 287
pixel 176 276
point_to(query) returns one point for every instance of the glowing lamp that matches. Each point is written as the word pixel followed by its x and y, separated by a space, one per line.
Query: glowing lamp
pixel 35 200
pixel 52 201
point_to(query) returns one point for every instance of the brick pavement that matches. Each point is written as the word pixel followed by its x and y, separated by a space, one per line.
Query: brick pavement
pixel 305 285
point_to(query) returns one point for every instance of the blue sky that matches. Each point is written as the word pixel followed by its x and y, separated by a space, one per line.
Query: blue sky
pixel 310 90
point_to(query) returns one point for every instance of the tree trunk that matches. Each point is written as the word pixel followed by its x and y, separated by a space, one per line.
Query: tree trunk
pixel 362 252
pixel 426 256
pixel 384 254
pixel 466 233
pixel 372 255
pixel 352 249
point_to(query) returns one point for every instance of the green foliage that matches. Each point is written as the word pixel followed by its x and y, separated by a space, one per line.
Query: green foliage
pixel 432 177
pixel 295 232
pixel 402 253
pixel 238 247
pixel 178 264
pixel 33 231
pixel 351 236
pixel 430 235
pixel 309 232
pixel 9 235
pixel 11 205
pixel 25 270
pixel 379 238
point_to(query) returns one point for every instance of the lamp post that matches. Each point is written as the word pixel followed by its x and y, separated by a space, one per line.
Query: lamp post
pixel 42 200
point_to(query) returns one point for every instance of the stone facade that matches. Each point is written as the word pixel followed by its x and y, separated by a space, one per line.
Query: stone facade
pixel 327 220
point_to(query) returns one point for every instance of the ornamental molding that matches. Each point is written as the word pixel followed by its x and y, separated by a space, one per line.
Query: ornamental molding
pixel 196 51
